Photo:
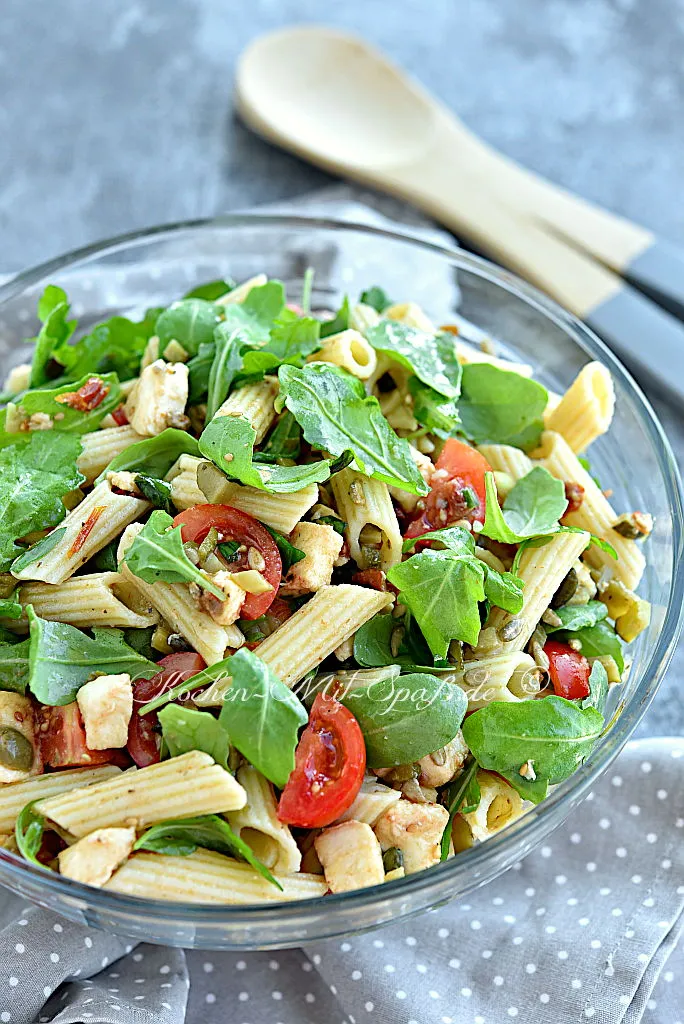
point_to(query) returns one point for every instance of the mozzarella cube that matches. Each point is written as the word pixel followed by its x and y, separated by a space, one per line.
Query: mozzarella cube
pixel 159 398
pixel 321 546
pixel 106 704
pixel 416 830
pixel 350 855
pixel 438 768
pixel 18 379
pixel 94 859
pixel 20 751
pixel 226 612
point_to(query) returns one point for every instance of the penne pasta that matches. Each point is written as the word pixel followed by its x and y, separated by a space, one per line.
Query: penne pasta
pixel 499 805
pixel 182 476
pixel 372 530
pixel 372 800
pixel 101 446
pixel 363 317
pixel 281 512
pixel 504 458
pixel 100 599
pixel 350 350
pixel 256 402
pixel 14 797
pixel 147 795
pixel 586 409
pixel 506 677
pixel 258 825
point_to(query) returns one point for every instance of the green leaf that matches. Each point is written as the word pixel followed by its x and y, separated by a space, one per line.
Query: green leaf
pixel 596 641
pixel 337 416
pixel 234 436
pixel 372 642
pixel 340 322
pixel 199 368
pixel 185 729
pixel 504 590
pixel 501 407
pixel 10 609
pixel 53 309
pixel 598 689
pixel 553 733
pixel 594 541
pixel 182 837
pixel 190 322
pixel 34 477
pixel 14 666
pixel 338 525
pixel 257 312
pixel 442 591
pixel 578 616
pixel 115 346
pixel 154 456
pixel 377 298
pixel 261 716
pixel 531 509
pixel 140 639
pixel 405 718
pixel 105 559
pixel 157 553
pixel 62 659
pixel 38 550
pixel 284 441
pixel 289 554
pixel 28 833
pixel 229 342
pixel 453 538
pixel 292 338
pixel 432 410
pixel 157 492
pixel 461 796
pixel 430 357
pixel 65 419
pixel 211 290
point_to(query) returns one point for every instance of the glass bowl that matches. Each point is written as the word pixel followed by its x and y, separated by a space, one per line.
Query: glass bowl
pixel 154 267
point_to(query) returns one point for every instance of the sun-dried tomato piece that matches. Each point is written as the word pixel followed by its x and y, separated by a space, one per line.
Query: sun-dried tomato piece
pixel 84 532
pixel 119 416
pixel 574 494
pixel 373 578
pixel 87 398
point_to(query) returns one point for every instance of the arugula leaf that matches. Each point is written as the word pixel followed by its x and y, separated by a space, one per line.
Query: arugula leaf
pixel 432 410
pixel 442 590
pixel 257 312
pixel 190 322
pixel 453 538
pixel 38 550
pixel 34 477
pixel 10 609
pixel 289 554
pixel 340 322
pixel 28 833
pixel 117 346
pixel 157 492
pixel 372 642
pixel 261 716
pixel 337 416
pixel 596 641
pixel 377 298
pixel 405 718
pixel 293 338
pixel 462 796
pixel 594 541
pixel 504 590
pixel 598 692
pixel 501 407
pixel 430 357
pixel 14 666
pixel 140 639
pixel 284 441
pixel 338 525
pixel 532 508
pixel 53 309
pixel 105 559
pixel 211 290
pixel 199 368
pixel 555 734
pixel 62 659
pixel 229 442
pixel 66 420
pixel 157 553
pixel 185 729
pixel 228 347
pixel 181 837
pixel 578 616
pixel 153 456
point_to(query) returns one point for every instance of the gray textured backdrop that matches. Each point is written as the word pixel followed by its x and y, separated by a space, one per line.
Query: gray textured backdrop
pixel 118 115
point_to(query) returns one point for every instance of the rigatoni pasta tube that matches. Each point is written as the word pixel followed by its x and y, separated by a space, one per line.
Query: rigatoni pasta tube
pixel 364 503
pixel 99 518
pixel 595 514
pixel 182 476
pixel 175 604
pixel 15 797
pixel 207 877
pixel 281 512
pixel 499 805
pixel 100 599
pixel 256 402
pixel 371 801
pixel 258 825
pixel 507 678
pixel 181 787
pixel 101 446
pixel 586 409
pixel 504 458
pixel 350 350
pixel 542 571
pixel 363 316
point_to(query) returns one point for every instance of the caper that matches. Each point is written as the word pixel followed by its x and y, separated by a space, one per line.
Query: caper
pixel 392 859
pixel 16 751
pixel 566 591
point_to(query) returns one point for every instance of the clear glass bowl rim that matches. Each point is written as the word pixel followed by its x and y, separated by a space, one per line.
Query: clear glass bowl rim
pixel 532 826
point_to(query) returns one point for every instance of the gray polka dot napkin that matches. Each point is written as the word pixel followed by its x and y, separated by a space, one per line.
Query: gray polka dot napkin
pixel 582 929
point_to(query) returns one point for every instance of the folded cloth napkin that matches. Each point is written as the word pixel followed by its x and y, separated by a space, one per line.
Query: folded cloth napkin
pixel 581 929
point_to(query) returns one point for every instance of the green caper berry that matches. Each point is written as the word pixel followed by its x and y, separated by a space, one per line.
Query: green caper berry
pixel 16 751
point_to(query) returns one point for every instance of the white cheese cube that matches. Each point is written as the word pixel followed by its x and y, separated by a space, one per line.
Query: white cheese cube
pixel 106 704
pixel 350 855
pixel 416 830
pixel 159 398
pixel 321 546
pixel 94 859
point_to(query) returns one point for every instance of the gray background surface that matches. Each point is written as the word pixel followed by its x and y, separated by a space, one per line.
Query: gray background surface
pixel 117 115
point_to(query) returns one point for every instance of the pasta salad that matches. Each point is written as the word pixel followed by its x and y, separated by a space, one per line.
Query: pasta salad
pixel 294 603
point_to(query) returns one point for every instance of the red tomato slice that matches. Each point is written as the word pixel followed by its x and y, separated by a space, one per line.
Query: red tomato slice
pixel 63 739
pixel 235 525
pixel 329 765
pixel 569 670
pixel 457 468
pixel 143 731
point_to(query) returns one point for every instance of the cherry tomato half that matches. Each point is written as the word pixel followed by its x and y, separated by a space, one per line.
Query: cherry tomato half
pixel 232 524
pixel 63 740
pixel 569 670
pixel 143 730
pixel 458 468
pixel 329 765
